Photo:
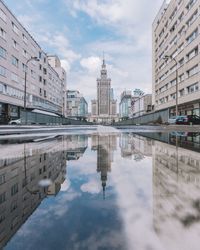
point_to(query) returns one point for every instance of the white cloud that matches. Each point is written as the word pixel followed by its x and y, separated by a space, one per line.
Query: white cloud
pixel 92 63
pixel 92 187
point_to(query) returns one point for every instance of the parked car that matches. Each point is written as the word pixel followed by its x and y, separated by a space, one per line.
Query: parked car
pixel 15 122
pixel 188 119
pixel 172 120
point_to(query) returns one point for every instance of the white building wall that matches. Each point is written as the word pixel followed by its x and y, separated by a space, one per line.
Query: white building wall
pixel 44 86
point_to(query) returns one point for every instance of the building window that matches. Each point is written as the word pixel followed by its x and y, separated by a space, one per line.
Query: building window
pixel 40 91
pixel 192 18
pixel 14 189
pixel 173 82
pixel 2 15
pixel 15 61
pixel 44 71
pixel 192 71
pixel 15 44
pixel 14 77
pixel 191 37
pixel 2 197
pixel 2 33
pixel 15 29
pixel 192 53
pixel 33 74
pixel 44 81
pixel 24 38
pixel 181 77
pixel 25 54
pixel 2 71
pixel 2 52
pixel 40 79
pixel 23 67
pixel 173 96
pixel 182 92
pixel 2 179
pixel 181 62
pixel 45 93
pixel 190 4
pixel 193 88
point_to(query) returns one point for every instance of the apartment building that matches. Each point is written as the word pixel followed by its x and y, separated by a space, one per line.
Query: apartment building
pixel 46 82
pixel 77 106
pixel 176 35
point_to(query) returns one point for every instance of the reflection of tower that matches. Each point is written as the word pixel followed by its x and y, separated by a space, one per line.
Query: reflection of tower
pixel 105 146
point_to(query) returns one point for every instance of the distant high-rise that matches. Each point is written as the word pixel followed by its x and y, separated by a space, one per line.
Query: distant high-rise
pixel 104 109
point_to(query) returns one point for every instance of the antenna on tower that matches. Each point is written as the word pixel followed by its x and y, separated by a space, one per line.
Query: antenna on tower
pixel 103 58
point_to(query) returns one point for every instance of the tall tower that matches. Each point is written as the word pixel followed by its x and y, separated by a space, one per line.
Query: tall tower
pixel 104 108
pixel 103 92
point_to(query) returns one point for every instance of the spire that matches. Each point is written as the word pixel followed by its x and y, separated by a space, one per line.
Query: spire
pixel 104 64
pixel 104 191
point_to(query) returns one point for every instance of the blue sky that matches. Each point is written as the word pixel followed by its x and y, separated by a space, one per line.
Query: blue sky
pixel 78 31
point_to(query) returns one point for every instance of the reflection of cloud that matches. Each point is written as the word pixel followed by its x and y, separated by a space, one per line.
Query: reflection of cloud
pixel 134 192
pixel 101 239
pixel 66 185
pixel 45 215
pixel 92 187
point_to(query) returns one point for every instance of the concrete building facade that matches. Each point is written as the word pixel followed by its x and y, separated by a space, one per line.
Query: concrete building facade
pixel 46 82
pixel 176 35
pixel 104 109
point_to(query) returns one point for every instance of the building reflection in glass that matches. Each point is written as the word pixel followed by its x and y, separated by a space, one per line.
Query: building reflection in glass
pixel 135 146
pixel 105 147
pixel 176 183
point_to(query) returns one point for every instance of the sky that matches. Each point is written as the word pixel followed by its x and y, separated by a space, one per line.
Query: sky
pixel 79 31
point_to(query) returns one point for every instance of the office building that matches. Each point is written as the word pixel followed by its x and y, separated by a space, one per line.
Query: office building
pixel 77 106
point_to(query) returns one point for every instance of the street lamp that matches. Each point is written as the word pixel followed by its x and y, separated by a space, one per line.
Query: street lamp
pixel 166 58
pixel 25 80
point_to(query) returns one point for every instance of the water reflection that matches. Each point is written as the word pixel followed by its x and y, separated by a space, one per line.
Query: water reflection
pixel 20 193
pixel 149 184
pixel 105 147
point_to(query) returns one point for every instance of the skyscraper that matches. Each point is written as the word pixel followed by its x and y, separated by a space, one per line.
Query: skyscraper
pixel 104 109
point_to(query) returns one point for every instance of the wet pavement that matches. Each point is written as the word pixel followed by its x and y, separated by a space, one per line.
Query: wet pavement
pixel 101 190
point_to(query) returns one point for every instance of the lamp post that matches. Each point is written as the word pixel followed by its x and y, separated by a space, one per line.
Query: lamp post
pixel 166 57
pixel 25 80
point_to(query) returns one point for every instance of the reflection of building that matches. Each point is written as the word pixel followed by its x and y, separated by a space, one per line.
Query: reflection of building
pixel 135 145
pixel 77 106
pixel 105 147
pixel 104 109
pixel 76 146
pixel 20 193
pixel 176 183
